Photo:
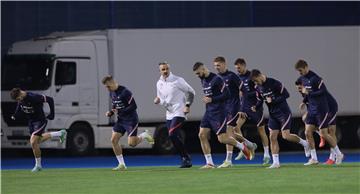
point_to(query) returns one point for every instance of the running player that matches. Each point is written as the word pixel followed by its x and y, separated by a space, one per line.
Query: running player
pixel 275 95
pixel 318 109
pixel 32 105
pixel 216 95
pixel 248 99
pixel 232 81
pixel 176 96
pixel 123 103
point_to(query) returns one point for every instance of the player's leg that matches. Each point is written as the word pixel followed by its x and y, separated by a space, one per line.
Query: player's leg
pixel 204 134
pixel 332 132
pixel 309 131
pixel 134 139
pixel 285 132
pixel 229 149
pixel 265 143
pixel 274 146
pixel 239 136
pixel 323 127
pixel 118 132
pixel 226 139
pixel 37 129
pixel 61 135
pixel 174 127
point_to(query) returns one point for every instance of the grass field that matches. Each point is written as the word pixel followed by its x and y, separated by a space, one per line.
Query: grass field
pixel 290 178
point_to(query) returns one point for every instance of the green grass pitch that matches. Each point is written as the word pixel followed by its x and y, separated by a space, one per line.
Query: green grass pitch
pixel 290 178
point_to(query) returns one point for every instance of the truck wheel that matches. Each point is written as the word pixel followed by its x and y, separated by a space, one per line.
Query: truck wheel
pixel 80 140
pixel 163 144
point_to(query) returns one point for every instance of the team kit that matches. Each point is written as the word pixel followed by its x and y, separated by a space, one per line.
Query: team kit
pixel 231 100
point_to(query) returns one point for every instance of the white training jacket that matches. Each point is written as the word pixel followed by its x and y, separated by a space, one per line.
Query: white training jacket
pixel 174 93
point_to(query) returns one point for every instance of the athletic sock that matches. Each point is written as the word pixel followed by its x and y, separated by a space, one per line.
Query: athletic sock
pixel 208 159
pixel 229 156
pixel 332 154
pixel 313 154
pixel 275 159
pixel 38 162
pixel 248 143
pixel 240 146
pixel 120 159
pixel 55 134
pixel 266 151
pixel 337 150
pixel 303 142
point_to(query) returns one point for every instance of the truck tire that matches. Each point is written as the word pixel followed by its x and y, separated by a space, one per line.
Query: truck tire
pixel 80 140
pixel 163 144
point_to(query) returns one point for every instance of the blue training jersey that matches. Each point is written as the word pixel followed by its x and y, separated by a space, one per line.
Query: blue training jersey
pixel 123 101
pixel 248 98
pixel 277 92
pixel 317 99
pixel 232 82
pixel 215 88
pixel 32 106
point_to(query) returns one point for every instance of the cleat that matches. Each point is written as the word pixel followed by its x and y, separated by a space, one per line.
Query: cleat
pixel 339 159
pixel 225 164
pixel 322 142
pixel 311 162
pixel 274 166
pixel 120 167
pixel 266 160
pixel 148 137
pixel 246 152
pixel 329 162
pixel 240 155
pixel 36 169
pixel 208 166
pixel 186 163
pixel 63 135
pixel 252 151
pixel 307 150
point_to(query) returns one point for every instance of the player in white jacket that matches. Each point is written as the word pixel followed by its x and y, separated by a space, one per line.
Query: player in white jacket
pixel 176 96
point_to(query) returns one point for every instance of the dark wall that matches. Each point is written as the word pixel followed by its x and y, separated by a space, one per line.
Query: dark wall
pixel 24 20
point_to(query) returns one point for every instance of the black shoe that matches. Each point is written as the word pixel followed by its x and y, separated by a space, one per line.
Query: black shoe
pixel 186 163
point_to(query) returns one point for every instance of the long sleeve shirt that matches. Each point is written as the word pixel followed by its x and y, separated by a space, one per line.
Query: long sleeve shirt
pixel 174 93
pixel 215 88
pixel 32 106
pixel 123 101
pixel 248 98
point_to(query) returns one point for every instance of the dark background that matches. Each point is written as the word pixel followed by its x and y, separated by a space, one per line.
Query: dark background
pixel 25 20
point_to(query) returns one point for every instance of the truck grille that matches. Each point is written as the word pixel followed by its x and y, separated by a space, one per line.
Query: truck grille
pixel 8 109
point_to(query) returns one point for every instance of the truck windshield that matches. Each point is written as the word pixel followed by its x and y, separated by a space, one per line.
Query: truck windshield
pixel 29 72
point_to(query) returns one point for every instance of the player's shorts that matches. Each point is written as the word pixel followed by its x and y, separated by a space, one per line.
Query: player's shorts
pixel 129 125
pixel 320 120
pixel 279 121
pixel 332 118
pixel 37 127
pixel 255 117
pixel 215 121
pixel 232 109
pixel 174 124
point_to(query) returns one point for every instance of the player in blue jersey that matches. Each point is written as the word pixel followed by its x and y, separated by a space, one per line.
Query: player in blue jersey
pixel 248 99
pixel 215 97
pixel 275 94
pixel 232 82
pixel 333 107
pixel 32 105
pixel 123 103
pixel 318 109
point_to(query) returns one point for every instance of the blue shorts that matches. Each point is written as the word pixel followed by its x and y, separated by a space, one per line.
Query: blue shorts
pixel 255 117
pixel 127 125
pixel 174 124
pixel 214 121
pixel 232 109
pixel 319 120
pixel 37 127
pixel 332 118
pixel 280 121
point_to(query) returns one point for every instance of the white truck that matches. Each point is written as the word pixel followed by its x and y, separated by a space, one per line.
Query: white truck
pixel 69 66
